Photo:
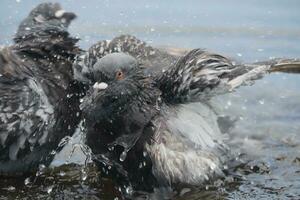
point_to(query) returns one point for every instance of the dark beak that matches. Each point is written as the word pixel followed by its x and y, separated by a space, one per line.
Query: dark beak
pixel 69 16
pixel 66 17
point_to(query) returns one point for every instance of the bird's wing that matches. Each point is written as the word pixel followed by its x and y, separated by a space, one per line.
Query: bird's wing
pixel 200 75
pixel 25 112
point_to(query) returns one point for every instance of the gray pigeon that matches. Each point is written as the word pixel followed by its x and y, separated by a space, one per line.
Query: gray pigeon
pixel 147 118
pixel 39 101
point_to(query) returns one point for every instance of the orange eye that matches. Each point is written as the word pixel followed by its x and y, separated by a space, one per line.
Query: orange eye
pixel 119 75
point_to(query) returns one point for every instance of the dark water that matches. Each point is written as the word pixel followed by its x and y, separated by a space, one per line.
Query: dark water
pixel 267 131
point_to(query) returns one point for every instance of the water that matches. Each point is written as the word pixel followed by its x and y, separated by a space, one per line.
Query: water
pixel 268 119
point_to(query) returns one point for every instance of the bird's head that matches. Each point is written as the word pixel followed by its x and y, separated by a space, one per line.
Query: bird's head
pixel 115 67
pixel 120 85
pixel 46 12
pixel 49 16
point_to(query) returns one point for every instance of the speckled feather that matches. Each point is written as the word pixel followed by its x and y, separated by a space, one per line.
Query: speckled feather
pixel 180 140
pixel 36 78
pixel 153 59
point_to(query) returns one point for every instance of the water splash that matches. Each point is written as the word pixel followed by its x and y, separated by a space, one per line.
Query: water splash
pixel 27 181
pixel 49 189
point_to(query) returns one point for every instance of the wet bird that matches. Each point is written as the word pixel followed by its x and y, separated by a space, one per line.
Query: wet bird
pixel 147 118
pixel 142 128
pixel 39 101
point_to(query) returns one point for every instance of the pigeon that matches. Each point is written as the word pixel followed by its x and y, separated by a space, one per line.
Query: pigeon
pixel 39 98
pixel 147 118
pixel 137 131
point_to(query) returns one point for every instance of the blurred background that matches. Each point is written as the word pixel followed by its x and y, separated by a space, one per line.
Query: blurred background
pixel 267 113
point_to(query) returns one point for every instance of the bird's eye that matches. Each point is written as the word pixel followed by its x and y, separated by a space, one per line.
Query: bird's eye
pixel 119 75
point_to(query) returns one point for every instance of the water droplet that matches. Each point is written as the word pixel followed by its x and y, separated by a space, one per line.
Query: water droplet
pixel 123 156
pixel 49 189
pixel 27 181
pixel 53 152
pixel 42 167
pixel 140 165
pixel 111 148
pixel 10 188
pixel 262 101
pixel 129 190
pixel 83 174
pixel 84 177
pixel 61 173
pixel 229 103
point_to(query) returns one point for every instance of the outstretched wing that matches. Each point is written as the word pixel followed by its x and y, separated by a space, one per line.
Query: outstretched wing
pixel 200 75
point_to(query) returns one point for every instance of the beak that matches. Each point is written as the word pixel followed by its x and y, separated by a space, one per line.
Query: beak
pixel 100 86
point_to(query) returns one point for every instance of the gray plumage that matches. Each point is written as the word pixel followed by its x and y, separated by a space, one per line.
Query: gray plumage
pixel 160 130
pixel 110 64
pixel 195 75
pixel 39 102
pixel 44 17
pixel 135 132
pixel 153 59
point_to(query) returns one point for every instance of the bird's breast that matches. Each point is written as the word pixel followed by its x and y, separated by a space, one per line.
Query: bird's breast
pixel 189 146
